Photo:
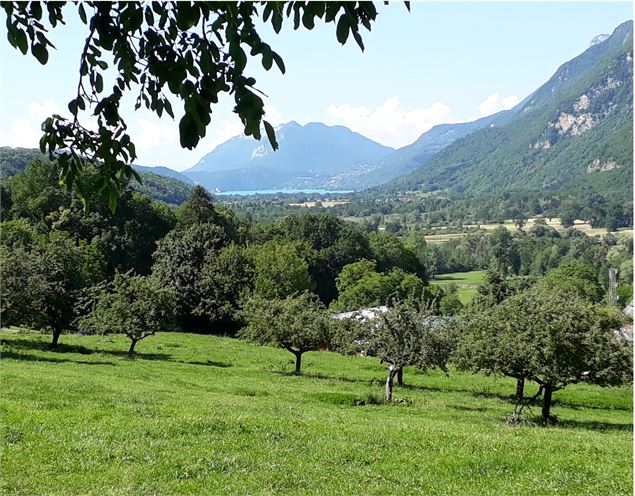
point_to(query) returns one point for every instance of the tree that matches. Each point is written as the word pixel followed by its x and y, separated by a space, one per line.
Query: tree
pixel 391 252
pixel 226 275
pixel 41 283
pixel 194 51
pixel 281 270
pixel 136 306
pixel 296 323
pixel 36 192
pixel 555 339
pixel 198 209
pixel 359 286
pixel 578 279
pixel 178 263
pixel 504 253
pixel 404 336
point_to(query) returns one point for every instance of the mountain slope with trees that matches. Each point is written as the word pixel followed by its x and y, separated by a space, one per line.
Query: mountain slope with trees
pixel 575 133
pixel 159 183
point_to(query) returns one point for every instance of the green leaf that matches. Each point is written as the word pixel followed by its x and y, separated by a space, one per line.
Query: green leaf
pixel 36 10
pixel 72 106
pixel 21 41
pixel 112 201
pixel 279 62
pixel 358 39
pixel 271 135
pixel 99 83
pixel 342 29
pixel 188 132
pixel 187 15
pixel 40 52
pixel 82 13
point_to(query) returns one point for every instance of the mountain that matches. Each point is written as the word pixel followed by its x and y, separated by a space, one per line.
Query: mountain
pixel 574 133
pixel 166 187
pixel 408 158
pixel 163 171
pixel 314 156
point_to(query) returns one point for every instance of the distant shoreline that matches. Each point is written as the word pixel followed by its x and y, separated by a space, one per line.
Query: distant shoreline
pixel 282 192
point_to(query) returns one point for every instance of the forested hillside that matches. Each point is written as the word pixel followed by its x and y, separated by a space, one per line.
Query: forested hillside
pixel 574 134
pixel 165 187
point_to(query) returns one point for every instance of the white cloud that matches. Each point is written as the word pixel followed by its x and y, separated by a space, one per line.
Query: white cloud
pixel 26 131
pixel 495 103
pixel 41 111
pixel 390 123
pixel 21 133
pixel 149 135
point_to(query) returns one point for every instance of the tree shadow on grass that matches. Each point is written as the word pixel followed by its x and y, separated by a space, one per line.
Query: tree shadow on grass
pixel 39 345
pixel 593 425
pixel 17 344
pixel 38 358
pixel 208 363
pixel 317 375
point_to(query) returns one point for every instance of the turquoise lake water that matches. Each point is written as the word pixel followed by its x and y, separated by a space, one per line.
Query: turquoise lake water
pixel 281 191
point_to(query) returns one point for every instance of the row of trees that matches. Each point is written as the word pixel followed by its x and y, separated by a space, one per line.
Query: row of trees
pixel 148 267
pixel 551 334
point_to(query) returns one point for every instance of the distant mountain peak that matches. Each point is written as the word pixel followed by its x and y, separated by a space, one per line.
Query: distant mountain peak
pixel 314 155
pixel 599 39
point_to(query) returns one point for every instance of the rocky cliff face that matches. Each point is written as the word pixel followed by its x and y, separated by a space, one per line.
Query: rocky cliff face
pixel 597 103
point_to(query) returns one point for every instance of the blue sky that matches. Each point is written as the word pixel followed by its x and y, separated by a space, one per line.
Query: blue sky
pixel 442 62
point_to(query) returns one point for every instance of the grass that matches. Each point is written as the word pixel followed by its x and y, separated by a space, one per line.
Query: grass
pixel 196 414
pixel 466 282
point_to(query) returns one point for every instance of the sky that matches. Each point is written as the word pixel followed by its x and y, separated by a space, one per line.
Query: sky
pixel 442 62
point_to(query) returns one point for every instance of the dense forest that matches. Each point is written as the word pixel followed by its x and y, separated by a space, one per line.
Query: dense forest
pixel 214 260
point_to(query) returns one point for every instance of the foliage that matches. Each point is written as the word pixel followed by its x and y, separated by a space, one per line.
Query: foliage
pixel 577 279
pixel 226 276
pixel 194 51
pixel 404 336
pixel 390 252
pixel 36 192
pixel 178 263
pixel 281 269
pixel 296 323
pixel 359 286
pixel 553 338
pixel 136 306
pixel 41 282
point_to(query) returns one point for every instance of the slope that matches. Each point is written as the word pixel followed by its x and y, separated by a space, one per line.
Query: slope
pixel 574 133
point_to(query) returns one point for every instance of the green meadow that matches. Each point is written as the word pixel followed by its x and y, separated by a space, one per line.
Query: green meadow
pixel 466 282
pixel 194 414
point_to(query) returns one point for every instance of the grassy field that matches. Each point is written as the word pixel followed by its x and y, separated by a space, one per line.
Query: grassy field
pixel 466 282
pixel 197 414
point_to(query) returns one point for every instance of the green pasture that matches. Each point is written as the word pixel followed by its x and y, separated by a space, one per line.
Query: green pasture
pixel 465 281
pixel 194 414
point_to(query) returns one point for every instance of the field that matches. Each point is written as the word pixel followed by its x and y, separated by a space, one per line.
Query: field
pixel 196 414
pixel 466 282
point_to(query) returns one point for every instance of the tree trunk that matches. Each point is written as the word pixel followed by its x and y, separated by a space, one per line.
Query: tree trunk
pixel 520 388
pixel 133 342
pixel 400 376
pixel 392 371
pixel 56 337
pixel 298 362
pixel 546 403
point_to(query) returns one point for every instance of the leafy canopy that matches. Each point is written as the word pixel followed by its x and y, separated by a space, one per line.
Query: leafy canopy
pixel 136 306
pixel 161 51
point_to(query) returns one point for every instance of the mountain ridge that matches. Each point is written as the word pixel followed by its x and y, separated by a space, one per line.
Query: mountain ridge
pixel 566 134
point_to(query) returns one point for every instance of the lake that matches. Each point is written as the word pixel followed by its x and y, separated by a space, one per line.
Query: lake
pixel 281 191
